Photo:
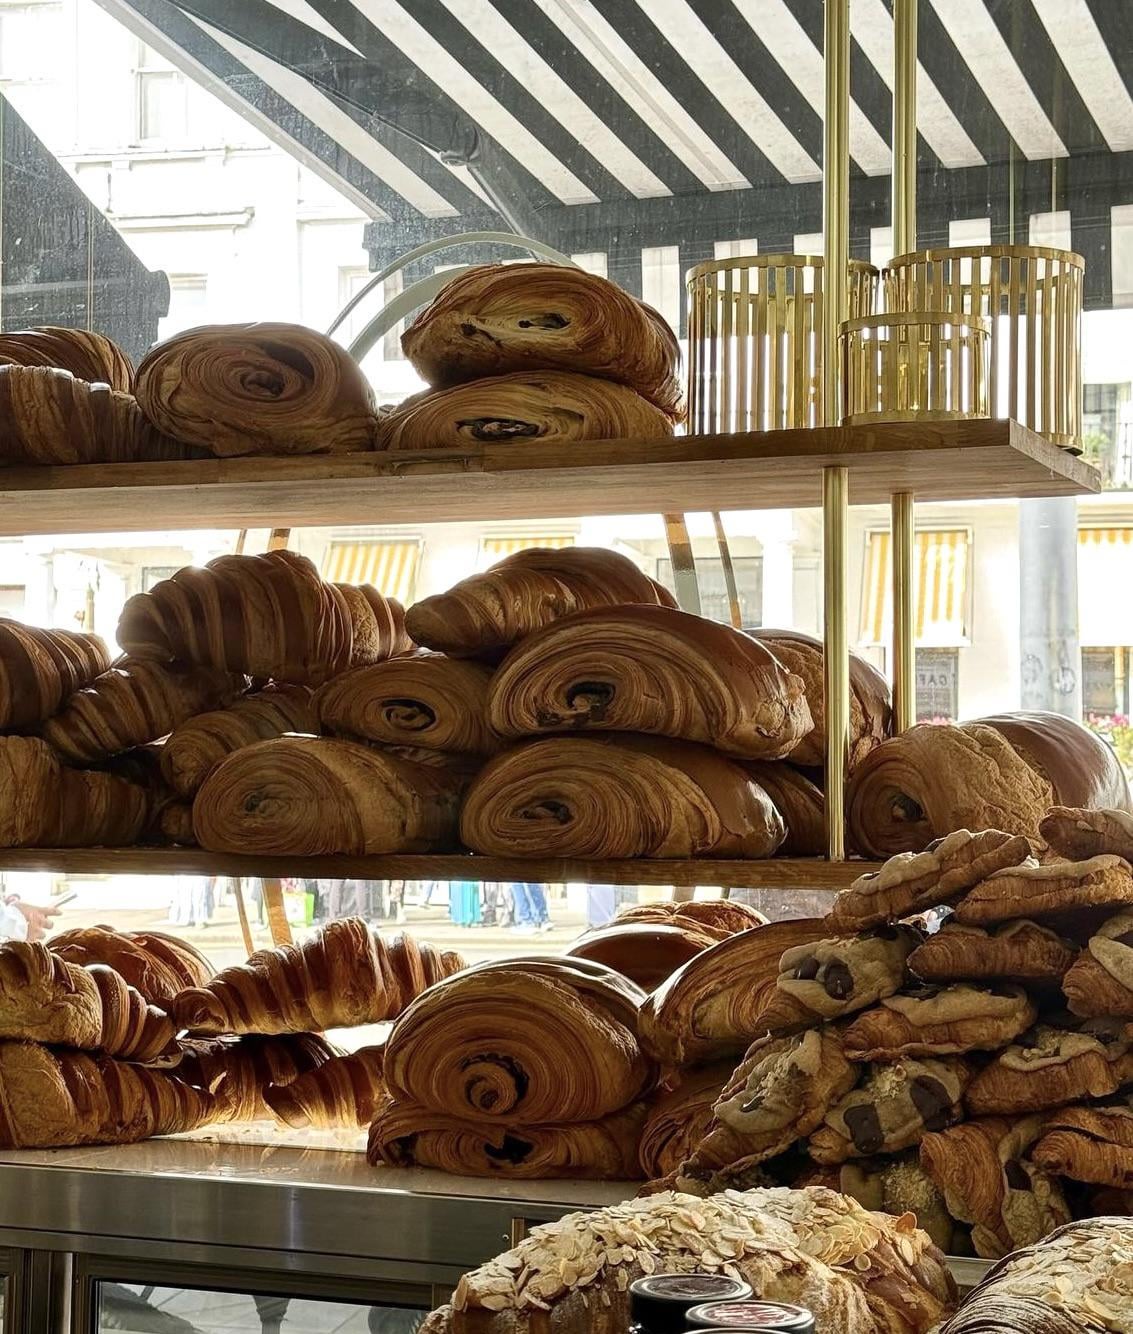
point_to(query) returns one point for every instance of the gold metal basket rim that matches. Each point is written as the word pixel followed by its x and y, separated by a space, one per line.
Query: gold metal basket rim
pixel 904 318
pixel 998 251
pixel 771 261
pixel 911 415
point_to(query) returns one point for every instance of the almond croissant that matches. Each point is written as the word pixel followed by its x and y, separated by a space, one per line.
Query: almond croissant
pixel 49 417
pixel 194 749
pixel 496 318
pixel 270 616
pixel 524 592
pixel 257 389
pixel 342 1092
pixel 39 669
pixel 345 974
pixel 650 669
pixel 51 1098
pixel 47 805
pixel 315 796
pixel 526 1041
pixel 87 355
pixel 45 999
pixel 133 703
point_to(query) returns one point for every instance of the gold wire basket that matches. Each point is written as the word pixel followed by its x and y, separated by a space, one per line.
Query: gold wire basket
pixel 1032 298
pixel 922 366
pixel 755 340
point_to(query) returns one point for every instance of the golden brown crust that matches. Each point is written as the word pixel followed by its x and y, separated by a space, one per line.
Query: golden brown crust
pixel 1055 890
pixel 983 1170
pixel 1100 982
pixel 316 796
pixel 257 389
pixel 49 417
pixel 242 1073
pixel 1093 1144
pixel 1080 834
pixel 47 805
pixel 421 699
pixel 270 616
pixel 617 796
pixel 710 1007
pixel 719 918
pixel 345 1091
pixel 645 952
pixel 800 802
pixel 39 669
pixel 1019 951
pixel 344 974
pixel 524 592
pixel 910 882
pixel 408 1135
pixel 134 703
pixel 679 1117
pixel 1053 1066
pixel 870 704
pixel 554 407
pixel 523 1041
pixel 1082 768
pixel 87 355
pixel 940 1021
pixel 197 746
pixel 650 669
pixel 157 965
pixel 495 319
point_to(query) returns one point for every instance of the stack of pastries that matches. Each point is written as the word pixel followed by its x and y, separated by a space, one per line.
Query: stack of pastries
pixel 973 1070
pixel 526 352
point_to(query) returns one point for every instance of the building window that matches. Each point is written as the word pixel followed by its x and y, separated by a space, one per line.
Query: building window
pixel 938 684
pixel 941 560
pixel 714 590
pixel 12 599
pixel 188 304
pixel 1105 681
pixel 29 39
pixel 163 99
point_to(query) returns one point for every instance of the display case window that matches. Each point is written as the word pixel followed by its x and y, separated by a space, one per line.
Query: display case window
pixel 714 588
pixel 938 685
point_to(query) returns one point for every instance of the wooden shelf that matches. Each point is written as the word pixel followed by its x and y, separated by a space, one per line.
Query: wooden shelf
pixel 961 460
pixel 777 873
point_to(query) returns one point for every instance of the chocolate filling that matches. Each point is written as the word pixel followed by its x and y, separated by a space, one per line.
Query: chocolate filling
pixel 1016 1175
pixel 551 320
pixel 511 1150
pixel 558 812
pixel 483 1098
pixel 838 981
pixel 498 428
pixel 864 1126
pixel 593 696
pixel 807 971
pixel 931 1099
pixel 906 809
pixel 410 714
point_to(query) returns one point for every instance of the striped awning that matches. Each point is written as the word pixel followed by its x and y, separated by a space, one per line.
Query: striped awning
pixel 493 549
pixel 1105 564
pixel 940 574
pixel 390 566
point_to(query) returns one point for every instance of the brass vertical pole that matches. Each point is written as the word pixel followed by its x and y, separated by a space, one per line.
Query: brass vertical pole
pixel 837 655
pixel 835 309
pixel 904 669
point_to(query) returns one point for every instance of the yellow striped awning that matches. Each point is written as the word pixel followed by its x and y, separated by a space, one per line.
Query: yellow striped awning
pixel 940 576
pixel 493 549
pixel 390 566
pixel 1105 566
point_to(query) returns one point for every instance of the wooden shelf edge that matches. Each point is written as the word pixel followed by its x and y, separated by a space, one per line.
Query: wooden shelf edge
pixel 776 873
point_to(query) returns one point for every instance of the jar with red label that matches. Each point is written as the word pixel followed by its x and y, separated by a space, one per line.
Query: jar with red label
pixel 765 1317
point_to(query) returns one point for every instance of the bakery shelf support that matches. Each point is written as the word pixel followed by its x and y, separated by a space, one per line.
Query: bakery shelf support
pixel 835 508
pixel 904 612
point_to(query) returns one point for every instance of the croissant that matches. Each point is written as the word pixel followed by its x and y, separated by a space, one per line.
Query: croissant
pixel 157 965
pixel 1070 1283
pixel 39 669
pixel 940 1021
pixel 313 796
pixel 1093 1144
pixel 497 318
pixel 45 999
pixel 800 802
pixel 344 974
pixel 175 825
pixel 857 1272
pixel 87 355
pixel 1100 981
pixel 708 1009
pixel 1079 834
pixel 46 805
pixel 1015 952
pixel 241 1072
pixel 680 1117
pixel 422 699
pixel 49 417
pixel 871 714
pixel 524 592
pixel 257 389
pixel 617 796
pixel 556 407
pixel 1002 772
pixel 53 1098
pixel 378 625
pixel 194 749
pixel 270 616
pixel 718 918
pixel 135 702
pixel 406 1135
pixel 528 1041
pixel 650 669
pixel 1050 1067
pixel 344 1091
pixel 645 952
